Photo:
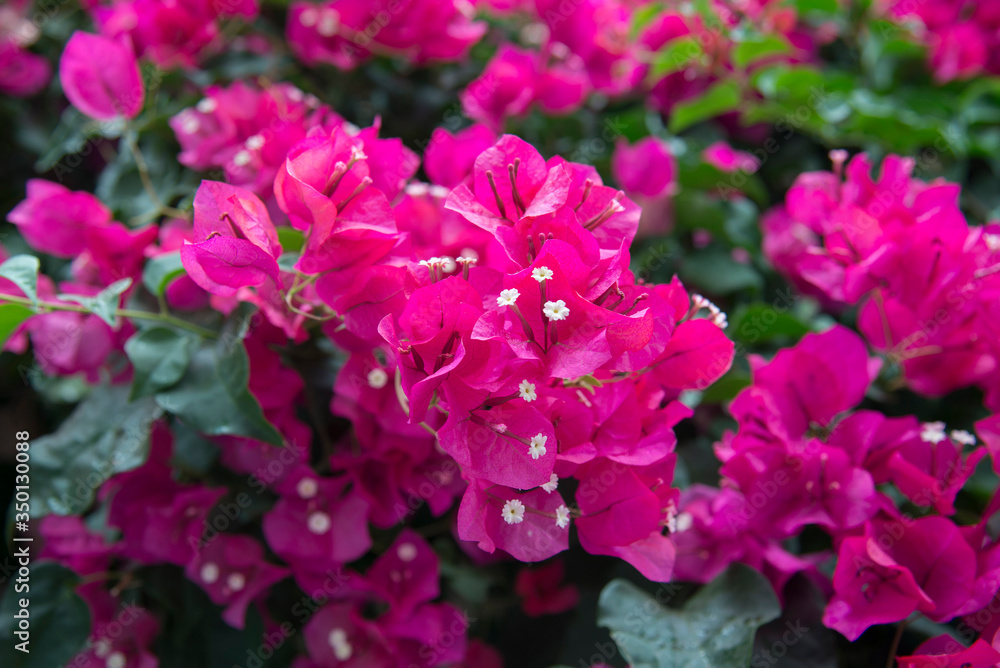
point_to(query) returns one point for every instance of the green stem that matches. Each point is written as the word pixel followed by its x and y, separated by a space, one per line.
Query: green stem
pixel 123 313
pixel 147 181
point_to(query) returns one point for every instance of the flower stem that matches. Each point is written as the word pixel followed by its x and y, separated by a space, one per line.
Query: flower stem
pixel 123 313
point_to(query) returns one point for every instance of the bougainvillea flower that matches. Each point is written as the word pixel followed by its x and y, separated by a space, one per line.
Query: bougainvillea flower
pixel 236 244
pixel 100 76
pixel 54 219
pixel 646 168
pixel 232 571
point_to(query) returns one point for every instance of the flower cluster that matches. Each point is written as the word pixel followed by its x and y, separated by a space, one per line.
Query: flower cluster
pixel 22 73
pixel 802 456
pixel 901 248
pixel 962 35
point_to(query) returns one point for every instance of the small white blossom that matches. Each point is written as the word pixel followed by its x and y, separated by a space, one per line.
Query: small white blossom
pixel 526 390
pixel 236 581
pixel 684 521
pixel 209 573
pixel 254 143
pixel 377 379
pixel 190 124
pixel 932 432
pixel 407 552
pixel 308 17
pixel 116 660
pixel 542 274
pixel 537 446
pixel 508 297
pixel 329 22
pixel 207 105
pixel 992 242
pixel 242 159
pixel 562 516
pixel 552 484
pixel 556 310
pixel 513 512
pixel 318 523
pixel 963 437
pixel 342 648
pixel 307 488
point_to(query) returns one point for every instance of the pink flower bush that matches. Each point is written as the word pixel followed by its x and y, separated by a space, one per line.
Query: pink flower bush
pixel 902 249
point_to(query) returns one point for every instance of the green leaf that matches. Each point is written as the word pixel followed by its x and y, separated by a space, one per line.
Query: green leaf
pixel 643 16
pixel 104 435
pixel 105 303
pixel 12 315
pixel 719 99
pixel 160 357
pixel 715 272
pixel 161 270
pixel 291 239
pixel 759 322
pixel 678 54
pixel 714 629
pixel 751 51
pixel 22 271
pixel 59 619
pixel 213 398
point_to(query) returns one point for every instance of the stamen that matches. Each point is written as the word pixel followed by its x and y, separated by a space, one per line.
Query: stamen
pixel 496 194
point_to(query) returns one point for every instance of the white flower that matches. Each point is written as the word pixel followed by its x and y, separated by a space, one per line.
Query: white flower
pixel 242 159
pixel 684 521
pixel 308 17
pixel 562 516
pixel 209 573
pixel 116 660
pixel 377 379
pixel 932 432
pixel 513 512
pixel 526 390
pixel 556 310
pixel 508 297
pixel 537 446
pixel 236 581
pixel 342 648
pixel 329 22
pixel 307 488
pixel 552 484
pixel 407 551
pixel 992 242
pixel 207 105
pixel 190 124
pixel 542 274
pixel 318 523
pixel 254 143
pixel 963 437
